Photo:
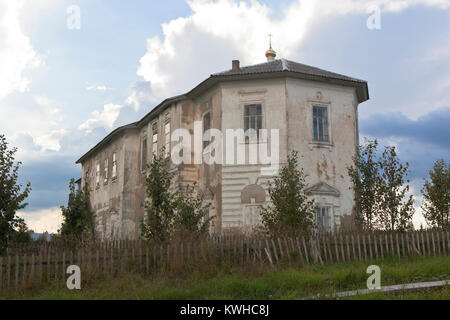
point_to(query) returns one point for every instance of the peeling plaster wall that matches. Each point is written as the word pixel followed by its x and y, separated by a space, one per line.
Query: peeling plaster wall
pixel 324 162
pixel 287 106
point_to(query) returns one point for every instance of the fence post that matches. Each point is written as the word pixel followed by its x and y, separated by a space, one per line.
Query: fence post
pixel 359 247
pixel 398 244
pixel 353 247
pixel 32 267
pixel 370 246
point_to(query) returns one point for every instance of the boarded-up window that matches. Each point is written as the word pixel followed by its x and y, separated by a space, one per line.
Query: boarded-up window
pixel 320 123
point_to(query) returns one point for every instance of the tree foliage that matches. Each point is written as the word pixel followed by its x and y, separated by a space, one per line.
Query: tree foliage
pixel 168 212
pixel 436 195
pixel 381 187
pixel 77 216
pixel 290 212
pixel 364 175
pixel 396 207
pixel 12 195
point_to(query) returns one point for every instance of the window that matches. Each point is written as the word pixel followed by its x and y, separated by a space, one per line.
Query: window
pixel 106 171
pixel 86 177
pixel 114 165
pixel 320 123
pixel 144 154
pixel 206 127
pixel 323 219
pixel 167 137
pixel 97 175
pixel 252 118
pixel 155 139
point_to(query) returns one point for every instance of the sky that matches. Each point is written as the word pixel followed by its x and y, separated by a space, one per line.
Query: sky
pixel 72 71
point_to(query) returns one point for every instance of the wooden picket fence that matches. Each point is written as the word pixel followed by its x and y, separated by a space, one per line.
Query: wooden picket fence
pixel 22 267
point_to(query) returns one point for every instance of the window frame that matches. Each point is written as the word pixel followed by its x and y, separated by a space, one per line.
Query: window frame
pixel 327 105
pixel 97 175
pixel 167 142
pixel 154 132
pixel 105 171
pixel 114 166
pixel 144 151
pixel 329 212
pixel 249 102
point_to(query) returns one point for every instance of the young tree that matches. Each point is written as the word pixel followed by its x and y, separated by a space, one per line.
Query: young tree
pixel 77 216
pixel 12 196
pixel 436 195
pixel 289 212
pixel 192 215
pixel 160 205
pixel 395 207
pixel 365 175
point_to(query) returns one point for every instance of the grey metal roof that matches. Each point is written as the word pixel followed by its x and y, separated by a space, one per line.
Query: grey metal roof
pixel 281 65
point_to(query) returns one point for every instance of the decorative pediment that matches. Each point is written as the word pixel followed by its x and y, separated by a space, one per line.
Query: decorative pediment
pixel 322 188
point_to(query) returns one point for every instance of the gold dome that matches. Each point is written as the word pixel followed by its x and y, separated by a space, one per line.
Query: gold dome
pixel 270 54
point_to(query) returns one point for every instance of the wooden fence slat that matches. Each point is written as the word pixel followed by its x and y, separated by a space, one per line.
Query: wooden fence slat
pixel 433 242
pixel 364 247
pixel 408 247
pixel 348 247
pixel 424 250
pixel 370 246
pixel 16 269
pixel 380 239
pixel 336 249
pixel 306 251
pixel 274 249
pixel 8 282
pixel 359 248
pixel 56 265
pixel 428 243
pixel 330 254
pixel 375 246
pixel 403 243
pixel 32 268
pixel 353 247
pixel 1 273
pixel 24 276
pixel 325 248
pixel 40 267
pixel 63 266
pixel 398 245
pixel 438 238
pixel 342 247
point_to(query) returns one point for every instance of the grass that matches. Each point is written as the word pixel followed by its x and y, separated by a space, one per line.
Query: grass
pixel 286 283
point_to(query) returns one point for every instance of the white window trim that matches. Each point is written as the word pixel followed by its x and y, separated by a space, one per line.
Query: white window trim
pixel 114 166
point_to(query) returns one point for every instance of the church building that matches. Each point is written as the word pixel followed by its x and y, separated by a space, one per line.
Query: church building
pixel 312 111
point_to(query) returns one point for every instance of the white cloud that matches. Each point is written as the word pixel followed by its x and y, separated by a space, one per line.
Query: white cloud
pixel 216 30
pixel 98 88
pixel 43 220
pixel 16 53
pixel 52 140
pixel 104 119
